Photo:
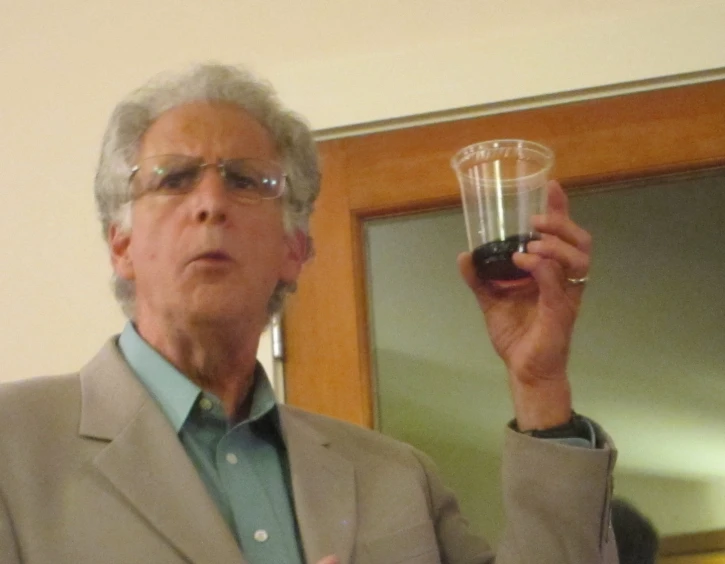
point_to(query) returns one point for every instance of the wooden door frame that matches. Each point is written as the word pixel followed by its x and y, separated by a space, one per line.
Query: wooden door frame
pixel 692 544
pixel 635 136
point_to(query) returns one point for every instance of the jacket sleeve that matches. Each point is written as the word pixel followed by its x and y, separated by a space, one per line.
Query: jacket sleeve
pixel 556 501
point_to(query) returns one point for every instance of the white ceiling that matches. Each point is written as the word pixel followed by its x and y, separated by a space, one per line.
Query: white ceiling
pixel 361 60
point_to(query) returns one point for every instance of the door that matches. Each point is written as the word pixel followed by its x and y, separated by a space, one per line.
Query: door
pixel 648 134
pixel 598 143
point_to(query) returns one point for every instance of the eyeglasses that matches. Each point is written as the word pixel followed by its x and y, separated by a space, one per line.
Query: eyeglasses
pixel 248 180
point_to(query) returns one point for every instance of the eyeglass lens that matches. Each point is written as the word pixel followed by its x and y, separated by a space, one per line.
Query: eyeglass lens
pixel 249 179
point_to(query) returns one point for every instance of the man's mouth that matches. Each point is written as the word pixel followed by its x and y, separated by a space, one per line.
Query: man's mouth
pixel 219 256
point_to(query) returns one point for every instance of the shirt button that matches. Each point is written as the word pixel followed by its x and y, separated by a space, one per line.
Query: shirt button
pixel 205 404
pixel 231 458
pixel 261 535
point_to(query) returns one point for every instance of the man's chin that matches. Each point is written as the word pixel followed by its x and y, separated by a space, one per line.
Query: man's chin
pixel 223 313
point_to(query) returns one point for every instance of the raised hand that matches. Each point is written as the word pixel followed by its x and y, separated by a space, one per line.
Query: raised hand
pixel 530 321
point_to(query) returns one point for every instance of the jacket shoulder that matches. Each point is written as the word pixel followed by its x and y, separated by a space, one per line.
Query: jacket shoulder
pixel 39 386
pixel 41 398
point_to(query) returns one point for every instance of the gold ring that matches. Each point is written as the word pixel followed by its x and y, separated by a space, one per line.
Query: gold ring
pixel 578 281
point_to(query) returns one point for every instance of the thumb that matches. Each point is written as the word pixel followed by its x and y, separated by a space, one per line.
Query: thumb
pixel 468 271
pixel 332 559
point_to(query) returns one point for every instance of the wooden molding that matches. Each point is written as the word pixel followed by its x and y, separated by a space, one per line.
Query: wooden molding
pixel 693 543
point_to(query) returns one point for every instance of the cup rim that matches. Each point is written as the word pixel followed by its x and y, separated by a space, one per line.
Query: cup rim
pixel 462 154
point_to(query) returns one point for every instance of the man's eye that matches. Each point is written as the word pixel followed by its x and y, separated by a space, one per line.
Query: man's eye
pixel 239 181
pixel 176 180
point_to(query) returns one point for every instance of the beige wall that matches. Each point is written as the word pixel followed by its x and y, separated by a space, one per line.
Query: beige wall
pixel 64 64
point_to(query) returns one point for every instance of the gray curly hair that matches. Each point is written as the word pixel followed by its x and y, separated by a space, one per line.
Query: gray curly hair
pixel 213 83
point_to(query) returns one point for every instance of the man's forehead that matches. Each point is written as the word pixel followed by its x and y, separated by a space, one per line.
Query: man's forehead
pixel 203 127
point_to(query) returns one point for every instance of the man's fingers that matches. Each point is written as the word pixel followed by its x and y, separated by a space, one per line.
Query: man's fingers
pixel 332 559
pixel 574 262
pixel 468 270
pixel 563 228
pixel 557 202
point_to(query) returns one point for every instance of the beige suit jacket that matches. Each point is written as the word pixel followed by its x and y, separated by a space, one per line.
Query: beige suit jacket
pixel 91 472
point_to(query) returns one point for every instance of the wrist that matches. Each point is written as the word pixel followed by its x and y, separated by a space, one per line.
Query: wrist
pixel 543 405
pixel 577 427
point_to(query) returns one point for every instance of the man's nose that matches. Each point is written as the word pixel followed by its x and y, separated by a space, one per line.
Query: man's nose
pixel 210 198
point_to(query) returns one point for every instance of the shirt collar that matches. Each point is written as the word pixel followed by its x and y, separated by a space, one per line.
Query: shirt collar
pixel 174 392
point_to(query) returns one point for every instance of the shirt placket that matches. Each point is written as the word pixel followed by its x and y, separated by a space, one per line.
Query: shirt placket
pixel 244 461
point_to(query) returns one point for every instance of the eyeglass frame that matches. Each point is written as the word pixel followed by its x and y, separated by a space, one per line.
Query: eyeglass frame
pixel 200 165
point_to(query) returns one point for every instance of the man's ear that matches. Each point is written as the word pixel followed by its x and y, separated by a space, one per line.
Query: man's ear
pixel 119 241
pixel 297 248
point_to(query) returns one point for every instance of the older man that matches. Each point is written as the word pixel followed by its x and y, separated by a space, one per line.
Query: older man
pixel 168 446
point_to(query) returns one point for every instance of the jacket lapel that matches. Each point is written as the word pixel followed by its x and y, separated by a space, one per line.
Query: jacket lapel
pixel 147 464
pixel 323 486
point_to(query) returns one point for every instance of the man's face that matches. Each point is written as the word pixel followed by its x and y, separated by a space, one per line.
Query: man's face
pixel 204 256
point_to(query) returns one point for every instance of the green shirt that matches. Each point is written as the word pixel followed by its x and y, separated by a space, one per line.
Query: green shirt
pixel 244 466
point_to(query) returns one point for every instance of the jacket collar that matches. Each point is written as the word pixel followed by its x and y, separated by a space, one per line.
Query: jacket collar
pixel 323 483
pixel 146 464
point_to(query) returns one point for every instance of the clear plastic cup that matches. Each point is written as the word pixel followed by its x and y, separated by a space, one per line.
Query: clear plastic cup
pixel 503 183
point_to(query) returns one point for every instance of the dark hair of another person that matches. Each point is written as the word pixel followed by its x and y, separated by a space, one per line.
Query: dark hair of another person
pixel 637 539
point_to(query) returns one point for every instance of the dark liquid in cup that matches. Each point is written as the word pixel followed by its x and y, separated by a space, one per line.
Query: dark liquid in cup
pixel 493 260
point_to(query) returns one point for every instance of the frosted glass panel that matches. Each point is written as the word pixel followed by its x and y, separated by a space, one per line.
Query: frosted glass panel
pixel 648 360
